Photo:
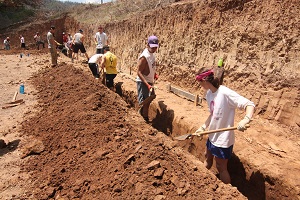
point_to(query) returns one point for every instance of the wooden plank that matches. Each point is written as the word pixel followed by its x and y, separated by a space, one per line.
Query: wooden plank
pixel 12 105
pixel 180 92
pixel 17 101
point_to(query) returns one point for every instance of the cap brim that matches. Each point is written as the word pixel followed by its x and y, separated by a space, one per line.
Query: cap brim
pixel 153 45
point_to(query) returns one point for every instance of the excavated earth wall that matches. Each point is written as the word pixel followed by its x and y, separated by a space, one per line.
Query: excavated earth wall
pixel 259 41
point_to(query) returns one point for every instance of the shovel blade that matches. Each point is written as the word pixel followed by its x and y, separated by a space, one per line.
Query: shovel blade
pixel 148 100
pixel 183 137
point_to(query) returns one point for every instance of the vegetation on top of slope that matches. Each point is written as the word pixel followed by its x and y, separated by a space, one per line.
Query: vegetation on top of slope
pixel 116 10
pixel 15 11
pixel 19 3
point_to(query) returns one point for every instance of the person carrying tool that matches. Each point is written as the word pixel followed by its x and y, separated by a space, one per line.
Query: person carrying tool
pixel 146 75
pixel 109 62
pixel 222 103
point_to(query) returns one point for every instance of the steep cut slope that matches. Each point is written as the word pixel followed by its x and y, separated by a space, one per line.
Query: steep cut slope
pixel 259 41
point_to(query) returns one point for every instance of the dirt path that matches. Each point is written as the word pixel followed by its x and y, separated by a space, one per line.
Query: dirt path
pixel 14 71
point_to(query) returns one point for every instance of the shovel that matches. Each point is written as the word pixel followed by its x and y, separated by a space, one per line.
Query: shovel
pixel 149 98
pixel 187 136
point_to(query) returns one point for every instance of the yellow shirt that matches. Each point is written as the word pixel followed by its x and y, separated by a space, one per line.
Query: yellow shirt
pixel 110 63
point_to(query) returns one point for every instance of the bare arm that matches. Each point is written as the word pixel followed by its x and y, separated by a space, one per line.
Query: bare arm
pixel 102 62
pixel 96 41
pixel 249 111
pixel 142 68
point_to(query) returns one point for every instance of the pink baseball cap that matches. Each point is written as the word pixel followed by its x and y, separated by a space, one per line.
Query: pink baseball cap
pixel 153 41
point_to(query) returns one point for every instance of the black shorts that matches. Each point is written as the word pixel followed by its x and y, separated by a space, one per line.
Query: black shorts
pixel 77 47
pixel 110 80
pixel 94 69
pixel 100 51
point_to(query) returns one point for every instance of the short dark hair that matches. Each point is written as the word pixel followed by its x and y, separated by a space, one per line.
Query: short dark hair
pixel 52 27
pixel 106 47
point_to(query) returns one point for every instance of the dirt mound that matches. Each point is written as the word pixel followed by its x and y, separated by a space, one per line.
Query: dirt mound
pixel 95 146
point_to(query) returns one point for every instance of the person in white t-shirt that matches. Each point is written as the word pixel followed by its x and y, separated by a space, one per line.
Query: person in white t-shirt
pixel 222 103
pixel 7 43
pixel 93 64
pixel 101 40
pixel 22 40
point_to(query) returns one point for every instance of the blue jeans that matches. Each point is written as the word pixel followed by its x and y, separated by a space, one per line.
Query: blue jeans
pixel 143 91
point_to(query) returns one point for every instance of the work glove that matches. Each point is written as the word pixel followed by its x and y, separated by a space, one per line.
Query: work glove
pixel 199 131
pixel 242 124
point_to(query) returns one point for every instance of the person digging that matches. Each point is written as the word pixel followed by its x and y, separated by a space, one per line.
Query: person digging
pixel 146 75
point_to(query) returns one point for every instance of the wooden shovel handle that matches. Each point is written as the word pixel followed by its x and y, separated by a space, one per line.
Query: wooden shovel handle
pixel 220 130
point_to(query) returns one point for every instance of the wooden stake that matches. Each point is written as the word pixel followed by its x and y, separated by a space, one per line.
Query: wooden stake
pixel 15 96
pixel 196 99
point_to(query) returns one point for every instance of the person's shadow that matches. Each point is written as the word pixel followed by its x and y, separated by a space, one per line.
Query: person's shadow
pixel 10 147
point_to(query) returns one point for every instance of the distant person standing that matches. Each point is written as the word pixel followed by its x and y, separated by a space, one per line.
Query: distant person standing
pixel 78 40
pixel 7 43
pixel 146 74
pixel 109 62
pixel 22 40
pixel 51 46
pixel 101 40
pixel 38 40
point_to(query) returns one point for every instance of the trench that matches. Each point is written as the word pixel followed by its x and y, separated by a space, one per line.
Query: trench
pixel 252 183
